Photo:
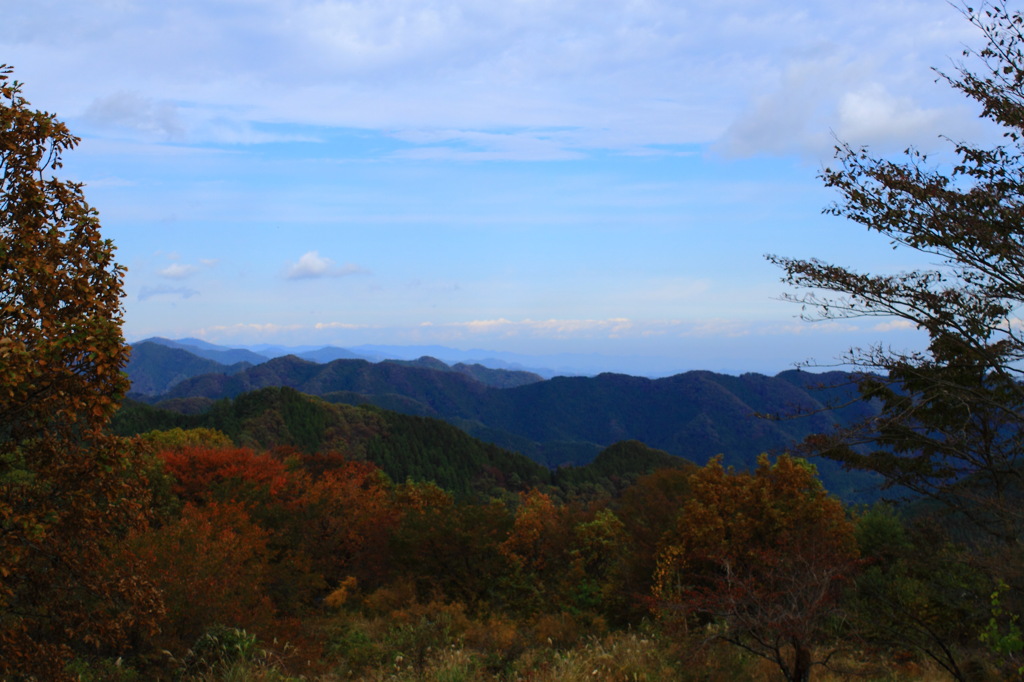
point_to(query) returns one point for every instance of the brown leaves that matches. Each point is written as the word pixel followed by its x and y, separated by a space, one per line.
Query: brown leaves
pixel 67 488
pixel 761 554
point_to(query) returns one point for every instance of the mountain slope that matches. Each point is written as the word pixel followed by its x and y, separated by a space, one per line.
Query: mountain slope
pixel 155 368
pixel 496 378
pixel 403 446
pixel 695 415
pixel 225 356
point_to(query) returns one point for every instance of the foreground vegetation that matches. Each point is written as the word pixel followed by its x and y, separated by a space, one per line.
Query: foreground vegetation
pixel 289 565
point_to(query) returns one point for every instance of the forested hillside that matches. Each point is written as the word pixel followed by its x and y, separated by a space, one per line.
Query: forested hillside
pixel 404 447
pixel 568 420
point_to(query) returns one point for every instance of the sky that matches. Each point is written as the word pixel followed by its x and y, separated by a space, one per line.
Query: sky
pixel 533 176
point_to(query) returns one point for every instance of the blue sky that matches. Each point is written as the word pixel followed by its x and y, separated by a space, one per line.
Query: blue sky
pixel 537 176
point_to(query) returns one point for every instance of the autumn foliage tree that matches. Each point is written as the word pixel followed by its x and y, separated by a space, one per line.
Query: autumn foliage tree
pixel 760 557
pixel 67 489
pixel 951 425
pixel 212 567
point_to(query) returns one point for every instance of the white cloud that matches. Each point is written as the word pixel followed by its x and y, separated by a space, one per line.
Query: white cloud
pixel 894 325
pixel 314 266
pixel 178 271
pixel 872 113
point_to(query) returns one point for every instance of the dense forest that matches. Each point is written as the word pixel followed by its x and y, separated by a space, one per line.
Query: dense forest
pixel 244 529
pixel 558 422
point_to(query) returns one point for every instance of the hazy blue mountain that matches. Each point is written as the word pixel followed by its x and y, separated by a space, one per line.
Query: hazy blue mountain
pixel 546 366
pixel 328 354
pixel 221 354
pixel 155 368
pixel 496 378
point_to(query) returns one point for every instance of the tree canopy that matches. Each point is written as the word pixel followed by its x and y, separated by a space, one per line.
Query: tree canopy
pixel 763 555
pixel 67 488
pixel 951 425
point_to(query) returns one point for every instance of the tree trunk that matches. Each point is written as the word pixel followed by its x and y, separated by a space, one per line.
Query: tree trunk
pixel 801 662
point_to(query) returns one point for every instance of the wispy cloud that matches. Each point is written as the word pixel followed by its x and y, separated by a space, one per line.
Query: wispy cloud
pixel 146 293
pixel 655 72
pixel 340 325
pixel 314 266
pixel 132 112
pixel 552 328
pixel 247 328
pixel 719 328
pixel 463 145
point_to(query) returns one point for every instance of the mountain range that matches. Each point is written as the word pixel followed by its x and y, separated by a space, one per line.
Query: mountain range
pixel 546 365
pixel 556 421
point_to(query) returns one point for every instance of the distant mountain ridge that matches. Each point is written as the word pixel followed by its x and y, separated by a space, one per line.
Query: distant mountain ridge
pixel 155 370
pixel 695 415
pixel 225 356
pixel 372 353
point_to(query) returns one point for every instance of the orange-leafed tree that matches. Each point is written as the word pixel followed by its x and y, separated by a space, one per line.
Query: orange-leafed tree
pixel 212 566
pixel 274 490
pixel 540 533
pixel 760 557
pixel 537 553
pixel 67 488
pixel 348 515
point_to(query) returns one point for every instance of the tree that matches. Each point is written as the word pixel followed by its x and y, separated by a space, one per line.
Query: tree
pixel 760 557
pixel 648 509
pixel 537 552
pixel 917 592
pixel 212 566
pixel 951 425
pixel 67 488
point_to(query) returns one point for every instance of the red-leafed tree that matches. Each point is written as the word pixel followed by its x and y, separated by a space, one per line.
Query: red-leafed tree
pixel 760 557
pixel 68 490
pixel 202 474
